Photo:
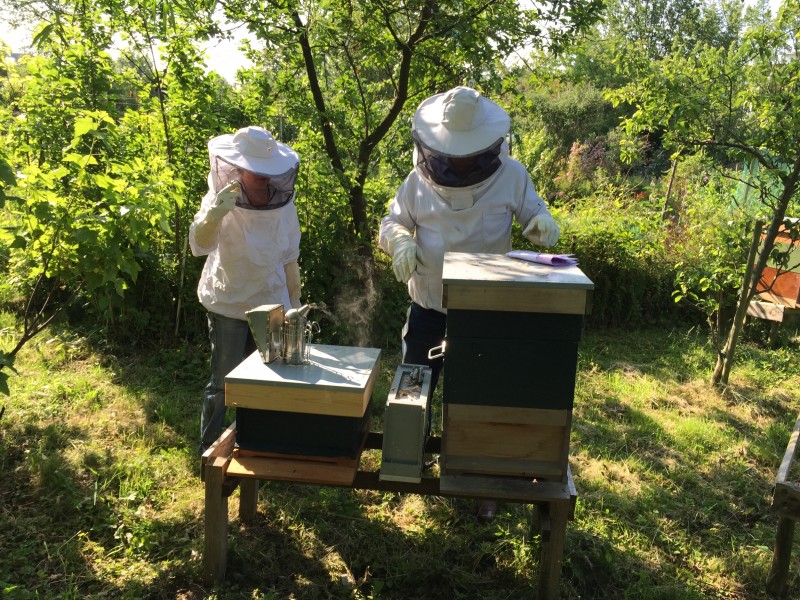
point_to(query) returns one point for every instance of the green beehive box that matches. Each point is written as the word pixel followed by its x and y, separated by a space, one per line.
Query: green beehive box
pixel 320 408
pixel 510 360
pixel 513 329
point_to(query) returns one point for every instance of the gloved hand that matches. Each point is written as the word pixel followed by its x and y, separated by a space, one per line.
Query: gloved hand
pixel 292 271
pixel 542 230
pixel 226 201
pixel 403 249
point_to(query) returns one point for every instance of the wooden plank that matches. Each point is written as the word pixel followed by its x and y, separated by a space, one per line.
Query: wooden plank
pixel 338 380
pixel 769 311
pixel 504 488
pixel 505 440
pixel 215 550
pixel 222 447
pixel 573 493
pixel 482 297
pixel 320 402
pixel 480 281
pixel 789 454
pixel 455 465
pixel 323 473
pixel 342 461
pixel 469 268
pixel 783 284
pixel 786 499
pixel 248 499
pixel 509 414
pixel 778 577
pixel 552 551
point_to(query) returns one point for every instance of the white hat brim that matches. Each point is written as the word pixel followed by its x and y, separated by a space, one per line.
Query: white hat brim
pixel 427 124
pixel 282 158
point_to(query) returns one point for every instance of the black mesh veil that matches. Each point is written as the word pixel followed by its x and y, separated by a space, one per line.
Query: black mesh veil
pixel 278 191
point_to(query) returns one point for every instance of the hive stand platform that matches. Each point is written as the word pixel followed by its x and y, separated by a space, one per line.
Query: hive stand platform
pixel 222 473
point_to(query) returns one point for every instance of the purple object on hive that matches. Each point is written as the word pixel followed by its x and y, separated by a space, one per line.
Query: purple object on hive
pixel 555 260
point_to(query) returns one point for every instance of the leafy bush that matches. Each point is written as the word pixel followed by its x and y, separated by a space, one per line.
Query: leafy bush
pixel 618 237
pixel 709 241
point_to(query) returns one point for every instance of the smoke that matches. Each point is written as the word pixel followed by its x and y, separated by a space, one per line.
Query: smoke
pixel 356 302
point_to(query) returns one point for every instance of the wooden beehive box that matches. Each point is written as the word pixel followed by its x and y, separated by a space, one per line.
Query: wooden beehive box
pixel 782 285
pixel 513 330
pixel 316 409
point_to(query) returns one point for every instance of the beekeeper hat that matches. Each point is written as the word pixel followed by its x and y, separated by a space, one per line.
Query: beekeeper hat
pixel 460 122
pixel 254 149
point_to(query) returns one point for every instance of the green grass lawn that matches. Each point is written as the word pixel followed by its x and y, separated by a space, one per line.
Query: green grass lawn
pixel 100 495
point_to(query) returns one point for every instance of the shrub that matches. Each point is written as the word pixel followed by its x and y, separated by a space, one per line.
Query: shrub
pixel 618 237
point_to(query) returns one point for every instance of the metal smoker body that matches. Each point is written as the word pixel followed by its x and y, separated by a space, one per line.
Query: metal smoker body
pixel 285 335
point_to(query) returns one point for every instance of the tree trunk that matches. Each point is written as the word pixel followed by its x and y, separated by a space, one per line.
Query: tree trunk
pixel 722 369
pixel 665 208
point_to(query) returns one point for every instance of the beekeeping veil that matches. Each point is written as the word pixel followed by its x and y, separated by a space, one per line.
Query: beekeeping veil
pixel 254 149
pixel 459 123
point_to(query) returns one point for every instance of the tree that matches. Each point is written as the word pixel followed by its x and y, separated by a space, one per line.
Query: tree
pixel 744 103
pixel 349 69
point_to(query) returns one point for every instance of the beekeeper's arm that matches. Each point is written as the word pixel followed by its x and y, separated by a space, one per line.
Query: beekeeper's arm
pixel 538 224
pixel 205 227
pixel 397 240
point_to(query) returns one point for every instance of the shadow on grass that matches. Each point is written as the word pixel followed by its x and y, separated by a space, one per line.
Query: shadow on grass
pixel 75 532
pixel 691 510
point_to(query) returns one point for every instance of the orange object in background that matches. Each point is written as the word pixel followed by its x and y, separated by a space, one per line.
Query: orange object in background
pixel 782 285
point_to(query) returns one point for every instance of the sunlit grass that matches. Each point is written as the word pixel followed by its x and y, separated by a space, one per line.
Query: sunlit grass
pixel 101 495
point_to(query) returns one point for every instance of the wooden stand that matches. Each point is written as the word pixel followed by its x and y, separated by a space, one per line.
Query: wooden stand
pixel 223 473
pixel 786 504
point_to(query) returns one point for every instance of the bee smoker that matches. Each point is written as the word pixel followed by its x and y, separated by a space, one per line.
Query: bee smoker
pixel 297 332
pixel 285 335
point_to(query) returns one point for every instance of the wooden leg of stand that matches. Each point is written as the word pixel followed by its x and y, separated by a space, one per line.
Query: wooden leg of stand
pixel 776 580
pixel 772 340
pixel 215 553
pixel 552 548
pixel 248 499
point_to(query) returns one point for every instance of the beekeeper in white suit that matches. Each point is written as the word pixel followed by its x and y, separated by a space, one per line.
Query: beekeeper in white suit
pixel 461 196
pixel 247 226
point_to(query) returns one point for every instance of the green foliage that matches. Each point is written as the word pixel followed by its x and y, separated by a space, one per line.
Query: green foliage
pixel 739 104
pixel 348 71
pixel 618 237
pixel 557 122
pixel 710 259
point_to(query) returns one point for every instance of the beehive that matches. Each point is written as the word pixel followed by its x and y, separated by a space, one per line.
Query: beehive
pixel 782 284
pixel 316 409
pixel 513 330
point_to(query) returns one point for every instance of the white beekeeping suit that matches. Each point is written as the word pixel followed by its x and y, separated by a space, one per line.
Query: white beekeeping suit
pixel 438 209
pixel 247 227
pixel 252 248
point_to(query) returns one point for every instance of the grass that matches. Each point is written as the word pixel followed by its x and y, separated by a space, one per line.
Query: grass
pixel 100 495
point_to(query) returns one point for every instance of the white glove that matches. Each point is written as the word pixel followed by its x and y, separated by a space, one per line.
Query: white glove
pixel 403 249
pixel 205 231
pixel 292 271
pixel 542 230
pixel 227 198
